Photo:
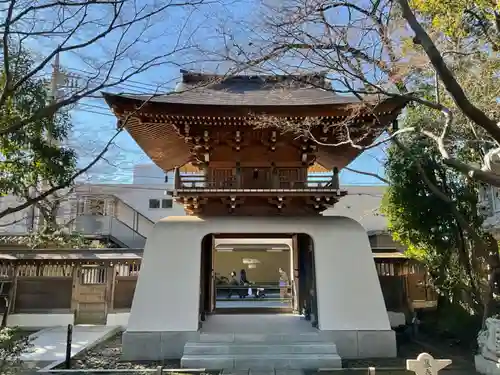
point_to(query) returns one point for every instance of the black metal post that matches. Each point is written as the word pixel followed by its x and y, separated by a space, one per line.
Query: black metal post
pixel 69 340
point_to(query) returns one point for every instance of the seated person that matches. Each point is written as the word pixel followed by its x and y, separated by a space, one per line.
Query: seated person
pixel 233 281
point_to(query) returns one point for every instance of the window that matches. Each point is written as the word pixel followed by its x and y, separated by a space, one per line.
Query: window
pixel 154 203
pixel 166 203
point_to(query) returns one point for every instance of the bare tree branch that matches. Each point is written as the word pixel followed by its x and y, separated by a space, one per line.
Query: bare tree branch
pixel 447 77
pixel 370 174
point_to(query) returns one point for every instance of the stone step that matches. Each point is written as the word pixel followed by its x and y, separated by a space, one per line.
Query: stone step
pixel 262 362
pixel 262 337
pixel 209 348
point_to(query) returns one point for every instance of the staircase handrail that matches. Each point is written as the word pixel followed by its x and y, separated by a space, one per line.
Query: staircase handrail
pixel 135 234
pixel 133 209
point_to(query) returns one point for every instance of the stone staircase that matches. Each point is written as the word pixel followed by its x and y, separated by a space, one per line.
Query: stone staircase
pixel 248 351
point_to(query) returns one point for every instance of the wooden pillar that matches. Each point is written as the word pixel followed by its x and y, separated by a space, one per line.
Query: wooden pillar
pixel 274 177
pixel 11 297
pixel 111 283
pixel 213 291
pixel 335 178
pixel 14 288
pixel 238 175
pixel 177 178
pixel 304 279
pixel 75 290
pixel 295 274
pixel 314 293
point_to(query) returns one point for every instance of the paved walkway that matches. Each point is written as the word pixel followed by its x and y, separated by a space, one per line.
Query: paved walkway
pixel 49 345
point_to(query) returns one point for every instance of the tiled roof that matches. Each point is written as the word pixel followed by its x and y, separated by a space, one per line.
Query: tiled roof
pixel 87 254
pixel 251 91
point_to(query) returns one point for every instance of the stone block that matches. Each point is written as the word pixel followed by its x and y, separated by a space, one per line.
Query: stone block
pixel 172 343
pixel 207 362
pixel 287 361
pixel 217 337
pixel 255 337
pixel 377 344
pixel 141 346
pixel 232 371
pixel 289 372
pixel 346 342
pixel 264 348
pixel 155 346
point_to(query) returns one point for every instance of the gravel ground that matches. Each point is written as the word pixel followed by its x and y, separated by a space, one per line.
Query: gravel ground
pixel 463 359
pixel 107 355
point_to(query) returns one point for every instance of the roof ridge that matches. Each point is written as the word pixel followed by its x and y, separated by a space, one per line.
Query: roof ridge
pixel 318 79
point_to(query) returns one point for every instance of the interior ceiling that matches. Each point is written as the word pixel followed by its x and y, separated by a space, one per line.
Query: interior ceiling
pixel 252 247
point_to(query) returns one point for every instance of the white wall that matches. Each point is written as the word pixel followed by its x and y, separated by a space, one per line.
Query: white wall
pixel 137 196
pixel 21 221
pixel 172 260
pixel 361 204
pixel 150 174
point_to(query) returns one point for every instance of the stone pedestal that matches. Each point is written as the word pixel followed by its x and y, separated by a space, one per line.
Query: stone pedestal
pixel 488 360
pixel 485 366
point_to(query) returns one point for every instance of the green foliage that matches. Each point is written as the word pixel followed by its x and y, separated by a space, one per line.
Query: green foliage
pixel 451 320
pixel 27 155
pixel 58 239
pixel 459 18
pixel 418 215
pixel 13 343
pixel 427 224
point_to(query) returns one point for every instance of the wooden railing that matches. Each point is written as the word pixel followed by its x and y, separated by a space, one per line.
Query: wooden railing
pixel 201 182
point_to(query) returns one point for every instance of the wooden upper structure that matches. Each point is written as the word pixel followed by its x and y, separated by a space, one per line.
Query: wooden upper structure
pixel 254 139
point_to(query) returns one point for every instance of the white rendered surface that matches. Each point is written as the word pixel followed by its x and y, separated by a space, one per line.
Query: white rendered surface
pixel 49 344
pixel 39 320
pixel 118 319
pixel 167 293
pixel 121 319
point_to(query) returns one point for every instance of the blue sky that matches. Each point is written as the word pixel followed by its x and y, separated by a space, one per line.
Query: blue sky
pixel 93 122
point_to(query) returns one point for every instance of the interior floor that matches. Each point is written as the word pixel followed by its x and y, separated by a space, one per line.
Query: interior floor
pixel 243 304
pixel 257 323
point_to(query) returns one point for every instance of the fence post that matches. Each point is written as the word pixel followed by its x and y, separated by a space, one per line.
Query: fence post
pixel 69 339
pixel 371 370
pixel 159 370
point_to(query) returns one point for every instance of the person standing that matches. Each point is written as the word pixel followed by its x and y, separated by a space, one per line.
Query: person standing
pixel 243 282
pixel 284 283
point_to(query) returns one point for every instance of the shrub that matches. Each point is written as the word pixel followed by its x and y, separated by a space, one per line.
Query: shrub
pixel 13 343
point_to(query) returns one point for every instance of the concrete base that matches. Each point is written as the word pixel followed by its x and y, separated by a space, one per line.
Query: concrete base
pixel 118 319
pixel 157 346
pixel 485 366
pixel 363 344
pixel 40 321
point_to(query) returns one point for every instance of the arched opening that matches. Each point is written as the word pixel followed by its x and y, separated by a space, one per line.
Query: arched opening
pixel 278 269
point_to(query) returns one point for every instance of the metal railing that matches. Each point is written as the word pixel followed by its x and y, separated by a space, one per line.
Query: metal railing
pixel 109 226
pixel 201 182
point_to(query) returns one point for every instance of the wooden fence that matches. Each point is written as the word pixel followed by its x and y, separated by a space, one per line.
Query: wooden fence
pixel 92 285
pixel 89 288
